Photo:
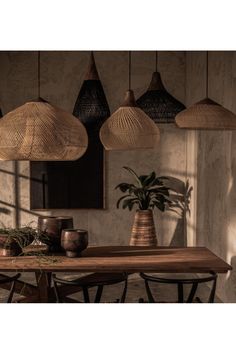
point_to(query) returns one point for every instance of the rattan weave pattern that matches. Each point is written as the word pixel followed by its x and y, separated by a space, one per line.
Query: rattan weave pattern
pixel 159 104
pixel 38 131
pixel 129 128
pixel 206 114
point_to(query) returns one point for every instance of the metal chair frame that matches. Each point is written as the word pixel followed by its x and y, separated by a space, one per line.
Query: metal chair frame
pixel 4 279
pixel 100 285
pixel 180 285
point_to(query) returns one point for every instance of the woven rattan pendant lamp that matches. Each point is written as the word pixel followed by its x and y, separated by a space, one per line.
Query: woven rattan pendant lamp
pixel 129 128
pixel 157 103
pixel 39 131
pixel 206 114
pixel 91 105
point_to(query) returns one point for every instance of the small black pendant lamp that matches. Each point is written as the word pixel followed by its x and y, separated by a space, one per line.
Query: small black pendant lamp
pixel 157 103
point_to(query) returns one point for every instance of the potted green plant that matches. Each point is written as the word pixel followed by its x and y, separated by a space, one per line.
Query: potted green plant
pixel 146 193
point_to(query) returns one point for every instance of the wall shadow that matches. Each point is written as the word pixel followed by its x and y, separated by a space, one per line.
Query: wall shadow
pixel 180 197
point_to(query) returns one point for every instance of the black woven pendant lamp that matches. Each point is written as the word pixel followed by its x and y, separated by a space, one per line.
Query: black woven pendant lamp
pixel 91 105
pixel 157 103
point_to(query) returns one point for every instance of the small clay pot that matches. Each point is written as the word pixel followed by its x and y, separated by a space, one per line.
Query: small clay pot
pixel 8 247
pixel 54 225
pixel 74 241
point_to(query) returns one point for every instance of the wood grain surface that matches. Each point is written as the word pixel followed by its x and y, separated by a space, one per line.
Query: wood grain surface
pixel 123 258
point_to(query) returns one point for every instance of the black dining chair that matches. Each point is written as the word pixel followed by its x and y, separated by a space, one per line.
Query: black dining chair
pixel 86 282
pixel 5 279
pixel 181 283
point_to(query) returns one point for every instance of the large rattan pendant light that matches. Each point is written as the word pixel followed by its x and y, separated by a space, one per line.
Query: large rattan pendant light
pixel 157 103
pixel 129 128
pixel 91 105
pixel 206 114
pixel 38 131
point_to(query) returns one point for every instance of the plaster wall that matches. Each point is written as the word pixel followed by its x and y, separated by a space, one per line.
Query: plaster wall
pixel 216 166
pixel 61 77
pixel 206 158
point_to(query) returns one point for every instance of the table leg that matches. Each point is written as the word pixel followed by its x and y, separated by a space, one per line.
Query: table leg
pixel 44 286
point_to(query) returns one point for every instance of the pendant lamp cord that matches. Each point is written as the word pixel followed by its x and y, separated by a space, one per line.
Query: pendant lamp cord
pixel 207 76
pixel 129 78
pixel 39 73
pixel 156 59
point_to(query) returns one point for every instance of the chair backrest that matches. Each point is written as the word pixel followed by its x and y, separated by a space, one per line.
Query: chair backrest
pixel 180 282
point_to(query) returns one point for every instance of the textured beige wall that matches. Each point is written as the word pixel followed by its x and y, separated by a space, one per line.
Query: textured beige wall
pixel 216 165
pixel 208 159
pixel 62 75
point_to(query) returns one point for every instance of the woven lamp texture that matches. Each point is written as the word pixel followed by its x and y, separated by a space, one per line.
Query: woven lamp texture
pixel 38 131
pixel 129 128
pixel 206 114
pixel 91 106
pixel 159 104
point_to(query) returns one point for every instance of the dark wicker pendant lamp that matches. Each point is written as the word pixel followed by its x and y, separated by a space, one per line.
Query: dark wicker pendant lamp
pixel 129 128
pixel 91 105
pixel 38 131
pixel 157 103
pixel 206 114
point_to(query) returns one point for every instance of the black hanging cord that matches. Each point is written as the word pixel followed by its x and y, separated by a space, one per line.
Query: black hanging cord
pixel 207 76
pixel 39 73
pixel 156 59
pixel 129 70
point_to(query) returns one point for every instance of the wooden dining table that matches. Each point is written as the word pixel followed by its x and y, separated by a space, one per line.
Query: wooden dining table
pixel 107 259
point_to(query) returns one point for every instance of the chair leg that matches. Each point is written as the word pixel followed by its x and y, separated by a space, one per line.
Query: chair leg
pixel 123 297
pixel 180 293
pixel 98 294
pixel 11 293
pixel 192 293
pixel 55 287
pixel 212 294
pixel 86 294
pixel 149 294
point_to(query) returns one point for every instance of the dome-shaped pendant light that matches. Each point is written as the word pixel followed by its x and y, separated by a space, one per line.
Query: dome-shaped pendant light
pixel 129 128
pixel 206 114
pixel 39 131
pixel 157 103
pixel 91 105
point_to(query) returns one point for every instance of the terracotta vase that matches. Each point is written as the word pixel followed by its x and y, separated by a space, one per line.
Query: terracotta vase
pixel 143 231
pixel 54 225
pixel 74 241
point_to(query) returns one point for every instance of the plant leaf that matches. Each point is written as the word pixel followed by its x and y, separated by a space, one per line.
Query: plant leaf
pixel 133 174
pixel 124 187
pixel 149 179
pixel 120 199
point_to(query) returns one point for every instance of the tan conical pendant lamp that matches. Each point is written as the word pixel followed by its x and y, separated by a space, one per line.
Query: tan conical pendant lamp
pixel 129 128
pixel 39 131
pixel 206 114
pixel 157 103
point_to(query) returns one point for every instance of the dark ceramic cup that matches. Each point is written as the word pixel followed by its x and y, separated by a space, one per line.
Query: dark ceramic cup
pixel 54 225
pixel 74 241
